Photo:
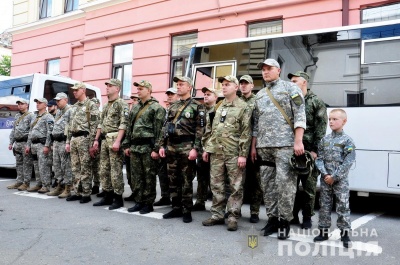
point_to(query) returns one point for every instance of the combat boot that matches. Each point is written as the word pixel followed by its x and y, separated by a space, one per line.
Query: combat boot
pixel 344 237
pixel 146 209
pixel 187 217
pixel 254 218
pixel 85 199
pixel 106 200
pixel 211 221
pixel 323 235
pixel 35 188
pixel 23 187
pixel 66 193
pixel 283 229
pixel 130 198
pixel 163 201
pixel 177 212
pixel 43 190
pixel 16 185
pixel 101 194
pixel 95 190
pixel 306 222
pixel 117 203
pixel 74 198
pixel 198 207
pixel 56 192
pixel 271 226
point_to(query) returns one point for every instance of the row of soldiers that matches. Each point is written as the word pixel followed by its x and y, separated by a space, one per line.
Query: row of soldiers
pixel 218 141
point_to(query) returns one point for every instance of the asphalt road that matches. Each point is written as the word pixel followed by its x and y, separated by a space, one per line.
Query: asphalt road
pixel 48 230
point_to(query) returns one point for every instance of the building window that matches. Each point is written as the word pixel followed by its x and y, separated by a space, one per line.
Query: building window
pixel 181 46
pixel 264 28
pixel 53 67
pixel 380 13
pixel 45 8
pixel 122 67
pixel 71 5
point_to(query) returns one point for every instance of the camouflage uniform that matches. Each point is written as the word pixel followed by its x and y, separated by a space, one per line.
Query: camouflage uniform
pixel 316 119
pixel 81 133
pixel 19 137
pixel 275 139
pixel 336 155
pixel 187 135
pixel 228 138
pixel 39 137
pixel 141 139
pixel 113 118
pixel 61 158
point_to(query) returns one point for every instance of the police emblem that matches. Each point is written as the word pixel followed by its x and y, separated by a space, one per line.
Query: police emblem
pixel 252 241
pixel 187 115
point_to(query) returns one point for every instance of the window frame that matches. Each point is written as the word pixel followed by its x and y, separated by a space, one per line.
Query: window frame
pixel 73 2
pixel 48 63
pixel 48 10
pixel 259 22
pixel 122 65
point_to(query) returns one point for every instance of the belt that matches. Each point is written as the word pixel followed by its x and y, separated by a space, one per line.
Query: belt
pixel 181 139
pixel 59 138
pixel 80 133
pixel 21 140
pixel 143 141
pixel 40 140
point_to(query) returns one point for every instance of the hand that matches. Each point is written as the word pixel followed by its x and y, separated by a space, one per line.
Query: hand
pixel 116 145
pixel 205 156
pixel 155 155
pixel 298 148
pixel 67 148
pixel 241 162
pixel 46 150
pixel 10 147
pixel 328 179
pixel 314 155
pixel 127 152
pixel 92 152
pixel 253 155
pixel 161 152
pixel 96 144
pixel 27 150
pixel 192 154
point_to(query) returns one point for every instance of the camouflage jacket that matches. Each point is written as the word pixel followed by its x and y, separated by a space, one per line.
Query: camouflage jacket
pixel 61 121
pixel 270 127
pixel 114 116
pixel 317 119
pixel 21 127
pixel 84 117
pixel 336 155
pixel 250 101
pixel 41 128
pixel 147 127
pixel 190 124
pixel 230 132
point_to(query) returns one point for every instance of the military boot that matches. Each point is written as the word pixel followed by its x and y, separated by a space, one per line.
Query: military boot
pixel 117 203
pixel 35 188
pixel 44 190
pixel 146 209
pixel 14 186
pixel 177 212
pixel 101 194
pixel 187 217
pixel 344 237
pixel 56 192
pixel 283 229
pixel 23 187
pixel 66 193
pixel 74 197
pixel 106 200
pixel 95 190
pixel 306 222
pixel 323 235
pixel 271 227
pixel 163 201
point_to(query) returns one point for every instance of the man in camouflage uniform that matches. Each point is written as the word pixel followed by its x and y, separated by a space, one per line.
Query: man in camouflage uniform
pixel 18 138
pixel 275 140
pixel 39 143
pixel 316 119
pixel 96 161
pixel 145 123
pixel 226 145
pixel 112 127
pixel 184 128
pixel 61 159
pixel 52 107
pixel 81 134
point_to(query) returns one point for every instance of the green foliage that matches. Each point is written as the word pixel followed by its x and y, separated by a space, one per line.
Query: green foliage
pixel 5 65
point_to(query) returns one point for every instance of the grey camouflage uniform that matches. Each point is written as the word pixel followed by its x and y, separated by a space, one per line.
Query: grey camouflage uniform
pixel 336 155
pixel 275 139
pixel 40 137
pixel 18 138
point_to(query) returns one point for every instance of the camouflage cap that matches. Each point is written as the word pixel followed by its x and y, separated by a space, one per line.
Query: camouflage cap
pixel 184 79
pixel 114 82
pixel 229 78
pixel 171 90
pixel 205 89
pixel 134 96
pixel 43 100
pixel 246 78
pixel 60 95
pixel 299 74
pixel 95 100
pixel 22 101
pixel 143 83
pixel 270 62
pixel 52 102
pixel 79 85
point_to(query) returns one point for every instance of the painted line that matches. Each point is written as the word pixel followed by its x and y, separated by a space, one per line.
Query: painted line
pixel 34 195
pixel 334 239
pixel 154 215
pixel 7 179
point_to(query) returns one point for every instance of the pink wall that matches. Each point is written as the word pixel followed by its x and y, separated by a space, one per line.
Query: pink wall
pixel 149 25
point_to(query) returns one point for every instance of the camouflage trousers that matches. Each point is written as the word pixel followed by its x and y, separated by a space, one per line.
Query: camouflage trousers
pixel 144 177
pixel 305 199
pixel 220 165
pixel 253 186
pixel 62 163
pixel 278 181
pixel 81 165
pixel 111 164
pixel 163 178
pixel 42 164
pixel 203 180
pixel 128 172
pixel 95 170
pixel 180 173
pixel 341 190
pixel 24 163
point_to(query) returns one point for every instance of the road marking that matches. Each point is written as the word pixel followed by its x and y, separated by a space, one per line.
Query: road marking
pixel 155 215
pixel 34 195
pixel 6 179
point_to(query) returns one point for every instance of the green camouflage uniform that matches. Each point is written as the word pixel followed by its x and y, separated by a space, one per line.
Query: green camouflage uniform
pixel 225 140
pixel 113 118
pixel 141 138
pixel 187 135
pixel 85 118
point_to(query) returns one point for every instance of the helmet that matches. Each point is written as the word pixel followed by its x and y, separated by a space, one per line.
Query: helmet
pixel 302 164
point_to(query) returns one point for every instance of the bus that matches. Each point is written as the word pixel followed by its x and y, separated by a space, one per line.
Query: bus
pixel 30 87
pixel 356 68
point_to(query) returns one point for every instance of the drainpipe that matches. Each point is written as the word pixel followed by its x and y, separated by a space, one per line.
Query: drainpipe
pixel 71 51
pixel 345 12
